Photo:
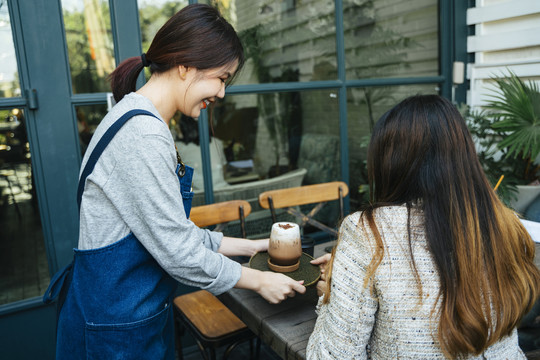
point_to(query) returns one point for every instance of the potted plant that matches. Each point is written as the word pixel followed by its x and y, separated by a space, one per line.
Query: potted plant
pixel 508 134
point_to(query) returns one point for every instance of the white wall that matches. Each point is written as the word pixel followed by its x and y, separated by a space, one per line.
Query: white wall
pixel 507 37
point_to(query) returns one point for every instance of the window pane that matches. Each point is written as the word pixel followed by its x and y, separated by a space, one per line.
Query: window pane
pixel 284 41
pixel 9 75
pixel 269 129
pixel 266 141
pixel 24 271
pixel 365 107
pixel 88 118
pixel 89 43
pixel 153 14
pixel 391 38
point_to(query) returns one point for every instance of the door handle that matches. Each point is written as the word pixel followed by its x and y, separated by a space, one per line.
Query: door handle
pixel 31 96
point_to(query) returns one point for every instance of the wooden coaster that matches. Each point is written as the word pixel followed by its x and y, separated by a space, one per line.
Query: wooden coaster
pixel 282 268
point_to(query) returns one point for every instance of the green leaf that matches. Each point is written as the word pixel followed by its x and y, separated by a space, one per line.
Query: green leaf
pixel 516 110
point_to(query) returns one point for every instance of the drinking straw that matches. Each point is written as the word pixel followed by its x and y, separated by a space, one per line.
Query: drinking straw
pixel 498 183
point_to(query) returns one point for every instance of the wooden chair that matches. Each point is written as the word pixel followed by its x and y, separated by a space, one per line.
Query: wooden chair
pixel 291 198
pixel 220 214
pixel 210 322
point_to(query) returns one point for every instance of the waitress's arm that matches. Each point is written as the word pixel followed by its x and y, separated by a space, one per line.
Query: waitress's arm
pixel 241 247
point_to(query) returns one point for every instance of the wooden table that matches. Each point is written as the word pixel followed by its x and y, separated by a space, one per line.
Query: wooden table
pixel 284 327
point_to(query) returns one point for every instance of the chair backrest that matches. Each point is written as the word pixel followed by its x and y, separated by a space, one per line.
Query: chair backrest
pixel 303 195
pixel 221 213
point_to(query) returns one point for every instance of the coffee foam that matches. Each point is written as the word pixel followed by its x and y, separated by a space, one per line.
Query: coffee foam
pixel 285 231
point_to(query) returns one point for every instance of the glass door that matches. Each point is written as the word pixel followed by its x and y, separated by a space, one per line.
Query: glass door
pixel 90 47
pixel 55 56
pixel 24 272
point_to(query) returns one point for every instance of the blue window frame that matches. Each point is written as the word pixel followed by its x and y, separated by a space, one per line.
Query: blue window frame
pixel 449 45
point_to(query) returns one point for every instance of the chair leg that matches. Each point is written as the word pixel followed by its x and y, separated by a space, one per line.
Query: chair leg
pixel 257 347
pixel 204 351
pixel 212 354
pixel 179 332
pixel 229 349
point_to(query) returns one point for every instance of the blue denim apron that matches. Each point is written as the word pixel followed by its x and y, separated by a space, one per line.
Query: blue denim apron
pixel 115 301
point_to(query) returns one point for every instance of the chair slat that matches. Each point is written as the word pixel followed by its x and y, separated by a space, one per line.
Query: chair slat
pixel 303 195
pixel 207 215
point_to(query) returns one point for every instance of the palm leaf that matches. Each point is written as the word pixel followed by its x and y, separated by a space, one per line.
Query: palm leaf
pixel 517 109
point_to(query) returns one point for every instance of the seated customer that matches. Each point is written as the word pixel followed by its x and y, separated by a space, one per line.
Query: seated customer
pixel 436 267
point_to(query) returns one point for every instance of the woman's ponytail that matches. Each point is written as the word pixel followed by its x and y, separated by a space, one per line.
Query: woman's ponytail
pixel 124 78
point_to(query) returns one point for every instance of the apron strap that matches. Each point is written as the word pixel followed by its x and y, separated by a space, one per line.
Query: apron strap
pixel 102 144
pixel 56 284
pixel 56 288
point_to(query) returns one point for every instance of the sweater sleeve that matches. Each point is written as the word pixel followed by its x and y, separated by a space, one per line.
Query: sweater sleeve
pixel 145 190
pixel 345 323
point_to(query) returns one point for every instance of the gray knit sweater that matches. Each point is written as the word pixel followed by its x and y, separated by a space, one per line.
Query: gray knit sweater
pixel 134 188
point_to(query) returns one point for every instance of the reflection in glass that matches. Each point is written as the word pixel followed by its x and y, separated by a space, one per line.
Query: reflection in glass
pixel 269 129
pixel 284 41
pixel 391 39
pixel 88 118
pixel 366 106
pixel 24 271
pixel 90 45
pixel 9 75
pixel 266 141
pixel 152 15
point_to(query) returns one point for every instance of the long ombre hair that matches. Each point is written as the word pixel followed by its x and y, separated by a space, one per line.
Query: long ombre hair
pixel 421 150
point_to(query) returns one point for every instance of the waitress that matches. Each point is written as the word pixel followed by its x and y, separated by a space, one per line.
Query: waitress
pixel 136 240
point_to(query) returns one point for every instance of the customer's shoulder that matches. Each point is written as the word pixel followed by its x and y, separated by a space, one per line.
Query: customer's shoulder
pixel 392 214
pixel 386 220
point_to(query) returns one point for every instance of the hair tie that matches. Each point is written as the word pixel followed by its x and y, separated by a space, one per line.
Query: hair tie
pixel 145 62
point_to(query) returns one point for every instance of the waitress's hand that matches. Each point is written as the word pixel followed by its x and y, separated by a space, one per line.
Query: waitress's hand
pixel 322 261
pixel 276 287
pixel 242 247
pixel 273 287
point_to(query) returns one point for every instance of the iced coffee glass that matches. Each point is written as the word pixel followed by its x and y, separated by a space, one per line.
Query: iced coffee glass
pixel 285 247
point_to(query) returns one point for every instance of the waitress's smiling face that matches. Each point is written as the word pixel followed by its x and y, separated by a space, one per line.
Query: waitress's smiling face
pixel 203 87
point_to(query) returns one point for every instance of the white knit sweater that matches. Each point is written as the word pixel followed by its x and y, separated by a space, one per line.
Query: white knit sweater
pixel 396 319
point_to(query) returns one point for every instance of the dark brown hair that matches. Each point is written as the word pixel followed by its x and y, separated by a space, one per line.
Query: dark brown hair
pixel 421 152
pixel 196 36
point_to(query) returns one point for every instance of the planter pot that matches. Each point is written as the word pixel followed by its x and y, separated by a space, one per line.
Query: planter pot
pixel 525 196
